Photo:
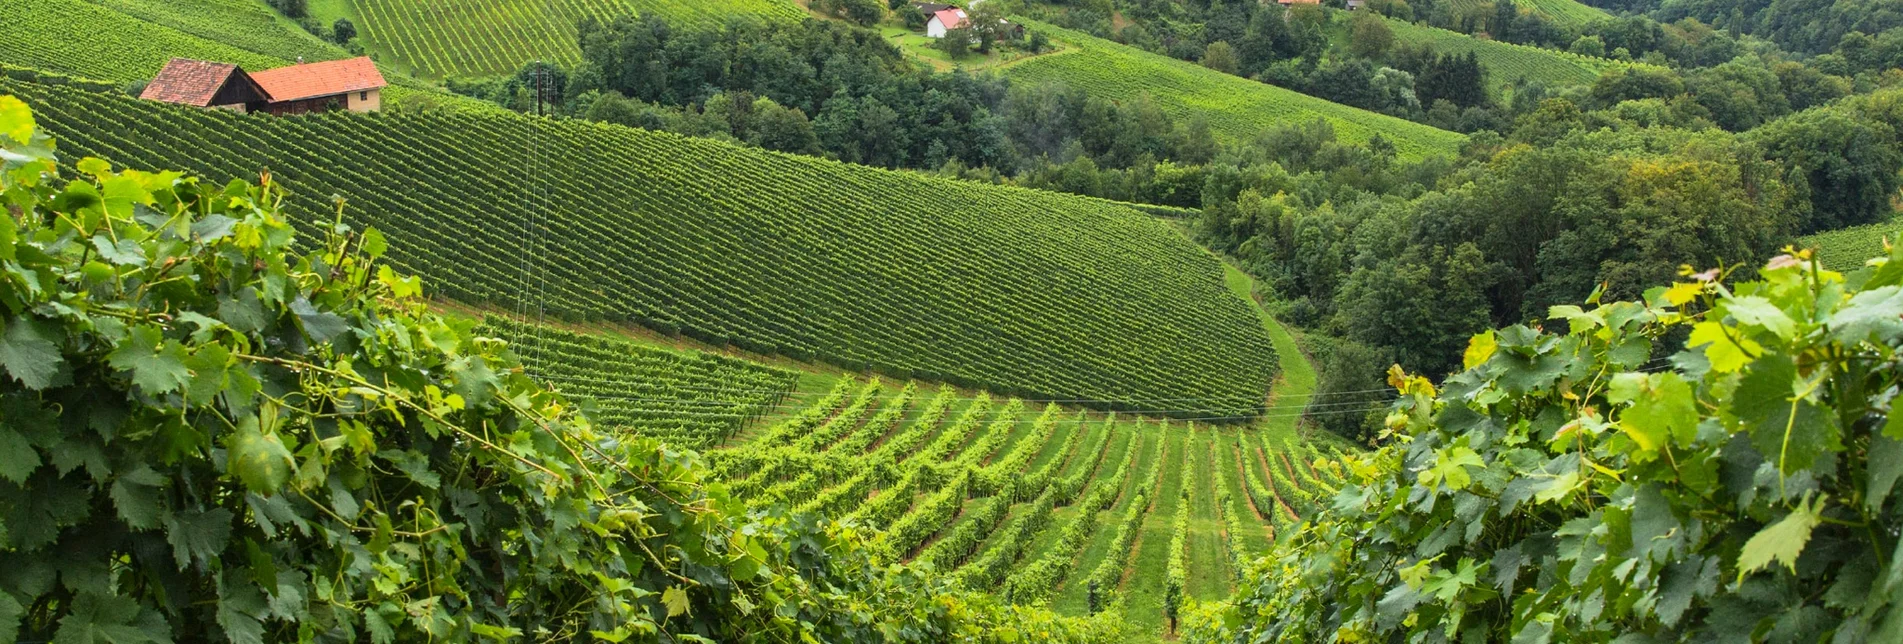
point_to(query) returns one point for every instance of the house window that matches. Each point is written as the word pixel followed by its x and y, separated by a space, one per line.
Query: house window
pixel 363 96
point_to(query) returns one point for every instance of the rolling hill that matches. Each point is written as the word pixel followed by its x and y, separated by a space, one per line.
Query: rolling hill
pixel 1235 108
pixel 1014 290
pixel 464 38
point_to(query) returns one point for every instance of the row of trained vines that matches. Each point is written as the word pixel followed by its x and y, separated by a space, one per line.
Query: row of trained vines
pixel 81 38
pixel 692 399
pixel 250 25
pixel 1509 63
pixel 492 37
pixel 1236 108
pixel 1014 291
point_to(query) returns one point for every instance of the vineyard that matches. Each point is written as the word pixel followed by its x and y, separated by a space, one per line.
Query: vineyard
pixel 246 24
pixel 1016 291
pixel 1846 248
pixel 691 399
pixel 84 39
pixel 1507 63
pixel 437 38
pixel 1035 502
pixel 1236 108
pixel 1563 12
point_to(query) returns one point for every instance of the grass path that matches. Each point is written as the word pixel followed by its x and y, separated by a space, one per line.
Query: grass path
pixel 1295 385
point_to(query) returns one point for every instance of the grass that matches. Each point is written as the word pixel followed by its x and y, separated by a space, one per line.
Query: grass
pixel 1237 109
pixel 471 38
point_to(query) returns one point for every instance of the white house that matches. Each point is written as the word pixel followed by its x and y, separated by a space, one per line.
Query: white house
pixel 944 20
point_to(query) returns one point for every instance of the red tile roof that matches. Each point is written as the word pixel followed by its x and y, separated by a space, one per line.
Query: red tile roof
pixel 189 82
pixel 952 18
pixel 312 80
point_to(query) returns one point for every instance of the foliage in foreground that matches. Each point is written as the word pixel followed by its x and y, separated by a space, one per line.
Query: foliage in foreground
pixel 1570 488
pixel 206 434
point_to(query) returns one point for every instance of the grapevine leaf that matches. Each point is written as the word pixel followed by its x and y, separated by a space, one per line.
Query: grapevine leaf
pixel 1781 542
pixel 30 351
pixel 1886 464
pixel 373 243
pixel 1662 408
pixel 197 534
pixel 1683 292
pixel 676 601
pixel 10 613
pixel 136 496
pixel 157 365
pixel 18 458
pixel 1726 354
pixel 97 618
pixel 1878 311
pixel 213 228
pixel 1683 582
pixel 1479 349
pixel 1656 531
pixel 320 326
pixel 1791 433
pixel 1757 311
pixel 238 607
pixel 243 312
pixel 259 459
pixel 16 120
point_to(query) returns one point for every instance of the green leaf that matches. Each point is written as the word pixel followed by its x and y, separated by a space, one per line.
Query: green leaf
pixel 208 367
pixel 1757 311
pixel 676 601
pixel 1791 433
pixel 1450 469
pixel 1662 408
pixel 30 351
pixel 18 458
pixel 10 610
pixel 198 535
pixel 1783 541
pixel 157 365
pixel 259 459
pixel 136 496
pixel 1726 353
pixel 125 252
pixel 1878 311
pixel 1886 464
pixel 1479 348
pixel 320 326
pixel 110 619
pixel 16 120
pixel 373 243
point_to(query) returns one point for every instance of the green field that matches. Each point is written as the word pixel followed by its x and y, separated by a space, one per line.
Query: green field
pixel 1505 62
pixel 1236 108
pixel 246 24
pixel 1013 290
pixel 438 38
pixel 1847 248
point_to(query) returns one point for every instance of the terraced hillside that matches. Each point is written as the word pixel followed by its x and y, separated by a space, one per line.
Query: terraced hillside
pixel 1016 291
pixel 437 38
pixel 1506 63
pixel 246 24
pixel 1236 108
pixel 1563 12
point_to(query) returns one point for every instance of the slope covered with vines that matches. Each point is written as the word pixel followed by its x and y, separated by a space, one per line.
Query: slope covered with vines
pixel 1018 291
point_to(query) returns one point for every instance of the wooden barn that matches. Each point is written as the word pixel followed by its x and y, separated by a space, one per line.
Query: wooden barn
pixel 306 88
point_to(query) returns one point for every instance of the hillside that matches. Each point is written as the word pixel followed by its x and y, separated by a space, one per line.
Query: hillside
pixel 438 38
pixel 1845 248
pixel 127 41
pixel 1563 12
pixel 1505 62
pixel 1017 291
pixel 1235 108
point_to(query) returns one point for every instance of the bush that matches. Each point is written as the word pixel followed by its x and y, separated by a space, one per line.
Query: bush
pixel 1740 490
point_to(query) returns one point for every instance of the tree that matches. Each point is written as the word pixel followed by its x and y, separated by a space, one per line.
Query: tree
pixel 343 31
pixel 293 9
pixel 1221 57
pixel 781 128
pixel 1589 45
pixel 956 43
pixel 1456 78
pixel 1369 35
pixel 988 25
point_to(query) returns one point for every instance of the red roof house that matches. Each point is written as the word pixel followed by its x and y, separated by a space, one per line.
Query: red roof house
pixel 945 20
pixel 353 84
pixel 205 84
